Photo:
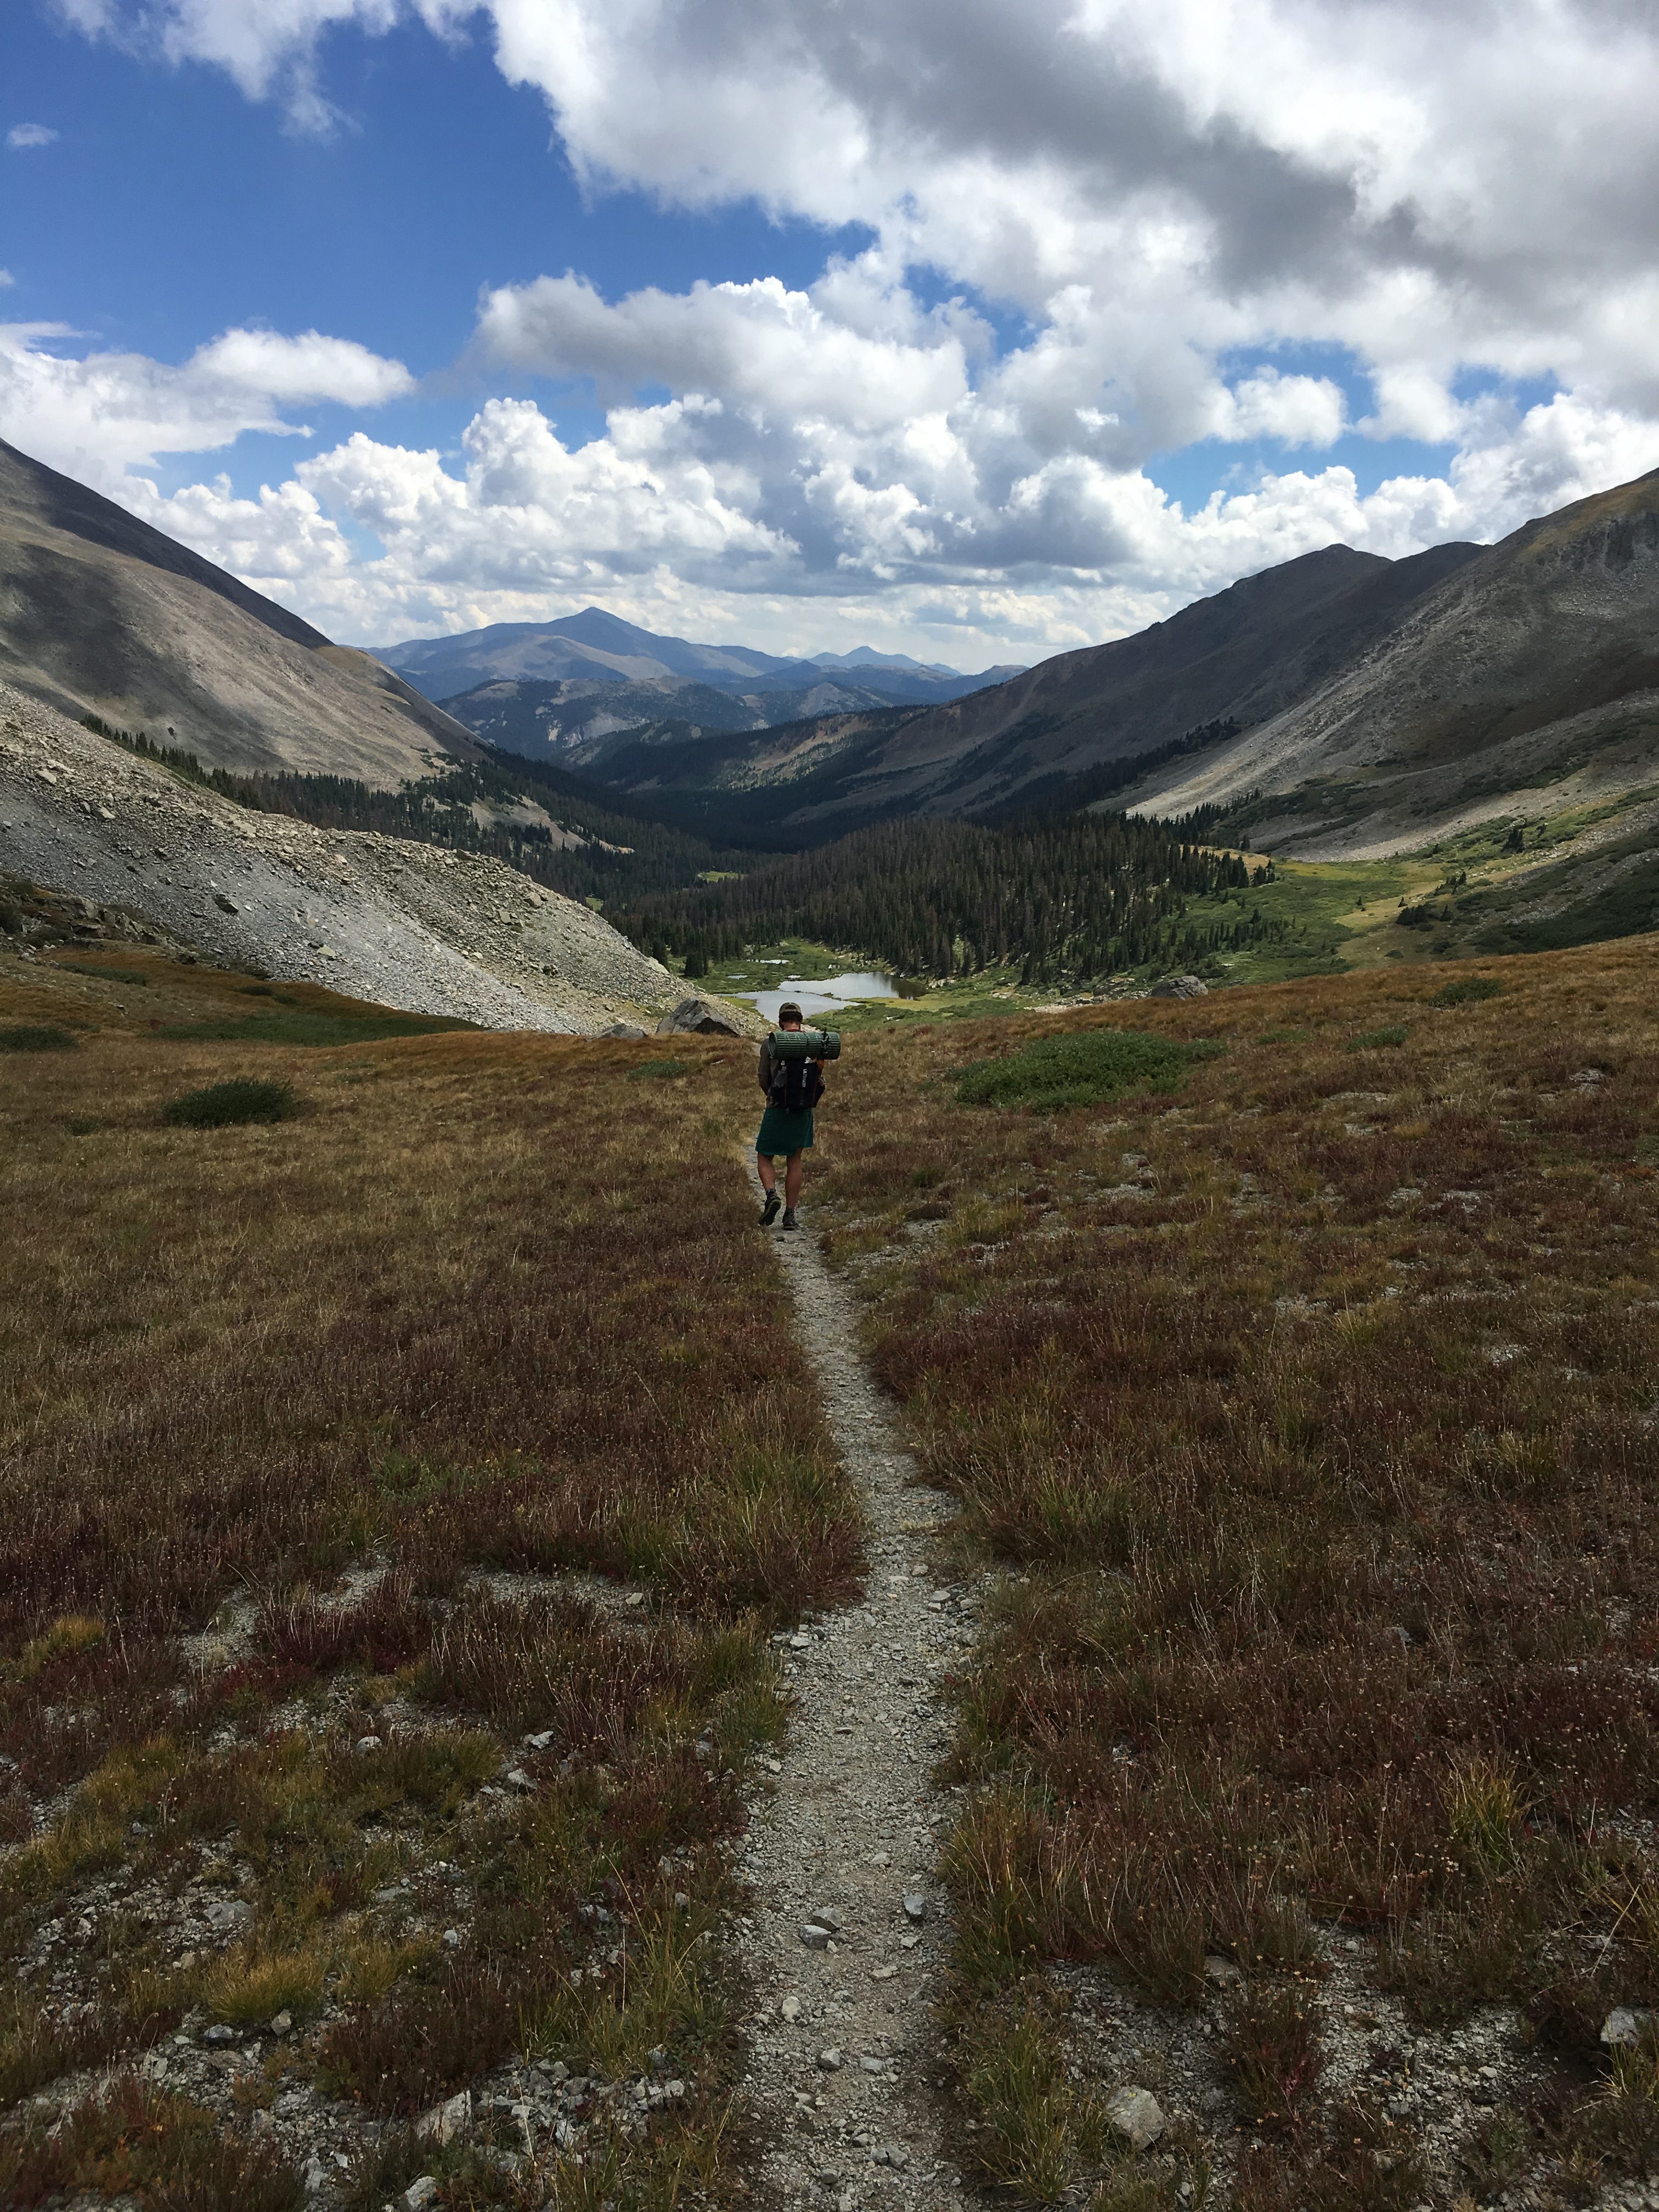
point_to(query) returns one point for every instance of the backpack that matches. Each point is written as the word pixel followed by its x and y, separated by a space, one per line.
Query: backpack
pixel 796 1085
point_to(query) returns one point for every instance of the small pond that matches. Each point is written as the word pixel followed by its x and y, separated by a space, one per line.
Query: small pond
pixel 824 997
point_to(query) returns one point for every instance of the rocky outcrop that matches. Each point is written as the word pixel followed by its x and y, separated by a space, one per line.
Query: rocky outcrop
pixel 705 1018
pixel 379 918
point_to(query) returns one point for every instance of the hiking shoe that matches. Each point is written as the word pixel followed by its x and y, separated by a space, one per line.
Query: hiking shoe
pixel 770 1211
pixel 789 1220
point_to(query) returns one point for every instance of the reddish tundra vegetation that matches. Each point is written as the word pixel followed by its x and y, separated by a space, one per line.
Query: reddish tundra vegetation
pixel 391 1533
pixel 1292 1353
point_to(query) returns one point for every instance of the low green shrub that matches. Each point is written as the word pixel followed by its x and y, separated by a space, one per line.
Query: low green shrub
pixel 1466 990
pixel 37 1036
pixel 663 1068
pixel 306 1026
pixel 1379 1040
pixel 244 1098
pixel 1080 1067
pixel 135 976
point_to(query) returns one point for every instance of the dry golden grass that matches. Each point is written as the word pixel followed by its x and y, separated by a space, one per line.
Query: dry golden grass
pixel 485 1306
pixel 1316 1404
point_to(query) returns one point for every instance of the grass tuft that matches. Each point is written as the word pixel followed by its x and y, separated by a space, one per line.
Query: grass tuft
pixel 1467 990
pixel 243 1098
pixel 1015 2076
pixel 37 1036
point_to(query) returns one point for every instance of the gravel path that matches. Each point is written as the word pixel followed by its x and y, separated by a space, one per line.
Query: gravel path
pixel 847 1936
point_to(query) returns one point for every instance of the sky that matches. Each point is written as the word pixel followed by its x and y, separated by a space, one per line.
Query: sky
pixel 972 329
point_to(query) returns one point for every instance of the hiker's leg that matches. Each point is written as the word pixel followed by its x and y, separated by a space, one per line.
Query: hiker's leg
pixel 794 1169
pixel 766 1171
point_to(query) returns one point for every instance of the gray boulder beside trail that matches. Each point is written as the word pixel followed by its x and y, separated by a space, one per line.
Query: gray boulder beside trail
pixel 700 1018
pixel 1181 986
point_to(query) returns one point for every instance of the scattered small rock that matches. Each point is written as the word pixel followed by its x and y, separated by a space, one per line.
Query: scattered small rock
pixel 369 1744
pixel 1627 2025
pixel 915 1904
pixel 420 2193
pixel 1137 2116
pixel 281 2023
pixel 830 2061
pixel 218 2035
pixel 446 2121
pixel 815 1936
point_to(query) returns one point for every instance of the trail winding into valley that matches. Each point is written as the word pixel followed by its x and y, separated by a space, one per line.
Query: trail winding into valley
pixel 846 1935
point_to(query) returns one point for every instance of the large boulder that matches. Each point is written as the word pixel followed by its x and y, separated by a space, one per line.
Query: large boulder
pixel 699 1017
pixel 1181 986
pixel 623 1030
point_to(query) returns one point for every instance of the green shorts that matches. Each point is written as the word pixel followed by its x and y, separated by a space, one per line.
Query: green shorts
pixel 781 1130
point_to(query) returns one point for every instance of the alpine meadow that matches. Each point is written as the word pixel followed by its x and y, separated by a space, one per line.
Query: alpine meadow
pixel 829 1107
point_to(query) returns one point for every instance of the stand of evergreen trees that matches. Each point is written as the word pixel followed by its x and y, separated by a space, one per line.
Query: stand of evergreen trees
pixel 1074 896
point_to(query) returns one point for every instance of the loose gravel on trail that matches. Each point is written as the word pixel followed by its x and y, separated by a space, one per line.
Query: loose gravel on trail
pixel 847 1934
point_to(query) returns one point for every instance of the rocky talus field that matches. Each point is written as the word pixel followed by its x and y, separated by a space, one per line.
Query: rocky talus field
pixel 381 918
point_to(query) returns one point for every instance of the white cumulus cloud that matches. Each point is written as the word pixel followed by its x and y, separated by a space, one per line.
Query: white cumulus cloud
pixel 23 136
pixel 1151 223
pixel 95 415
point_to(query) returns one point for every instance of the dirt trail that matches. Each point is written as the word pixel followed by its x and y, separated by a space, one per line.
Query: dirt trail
pixel 843 2037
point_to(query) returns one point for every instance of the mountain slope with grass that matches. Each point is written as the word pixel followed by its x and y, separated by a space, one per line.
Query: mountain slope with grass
pixel 412 925
pixel 100 613
pixel 1336 706
pixel 1526 683
pixel 1244 654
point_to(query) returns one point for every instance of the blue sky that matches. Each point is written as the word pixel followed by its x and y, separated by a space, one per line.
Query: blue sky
pixel 739 344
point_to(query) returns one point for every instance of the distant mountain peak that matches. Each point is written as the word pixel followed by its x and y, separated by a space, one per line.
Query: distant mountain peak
pixel 865 656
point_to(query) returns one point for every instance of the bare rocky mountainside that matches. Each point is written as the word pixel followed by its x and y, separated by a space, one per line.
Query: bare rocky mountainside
pixel 374 917
pixel 100 613
pixel 1534 670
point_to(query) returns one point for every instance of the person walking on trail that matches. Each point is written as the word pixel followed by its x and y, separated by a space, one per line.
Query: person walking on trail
pixel 793 1088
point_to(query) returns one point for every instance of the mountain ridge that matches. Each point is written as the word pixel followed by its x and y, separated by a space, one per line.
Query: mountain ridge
pixel 1532 670
pixel 100 613
pixel 597 648
pixel 1243 654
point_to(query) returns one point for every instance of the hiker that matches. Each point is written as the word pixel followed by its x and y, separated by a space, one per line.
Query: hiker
pixel 793 1088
